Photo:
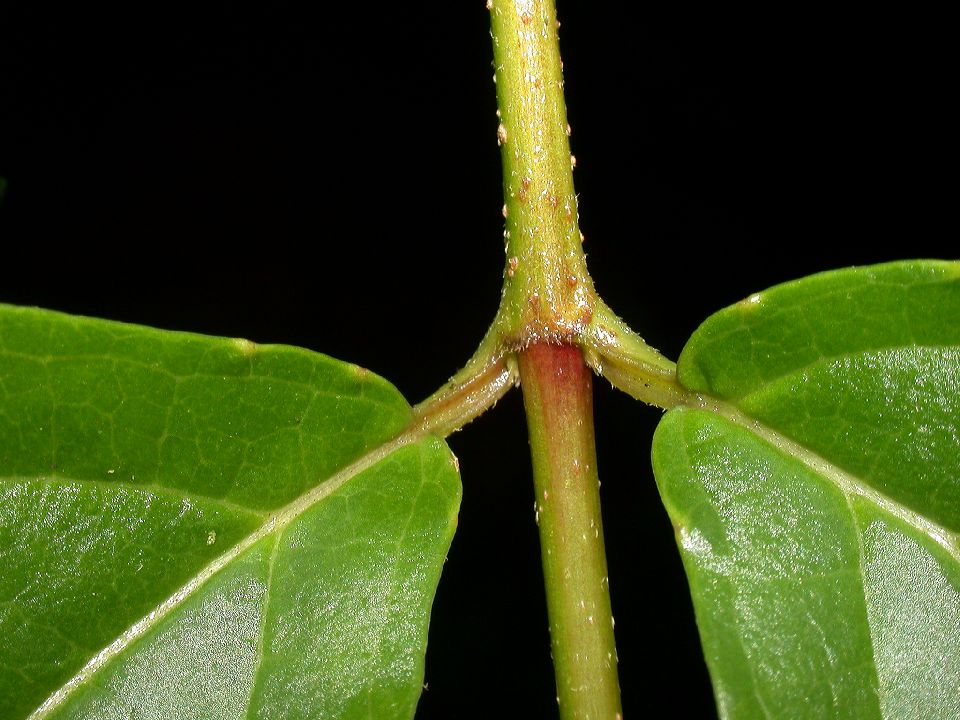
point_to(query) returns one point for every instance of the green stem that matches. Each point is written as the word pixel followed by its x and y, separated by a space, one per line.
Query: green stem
pixel 552 324
pixel 557 395
pixel 548 293
pixel 549 309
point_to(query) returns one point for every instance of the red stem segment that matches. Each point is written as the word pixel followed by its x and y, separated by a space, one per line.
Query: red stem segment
pixel 557 393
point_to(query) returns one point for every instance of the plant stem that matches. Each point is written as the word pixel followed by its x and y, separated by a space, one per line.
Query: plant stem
pixel 548 293
pixel 558 397
pixel 549 308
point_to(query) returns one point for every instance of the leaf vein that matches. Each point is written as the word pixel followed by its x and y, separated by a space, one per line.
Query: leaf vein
pixel 261 645
pixel 849 484
pixel 273 523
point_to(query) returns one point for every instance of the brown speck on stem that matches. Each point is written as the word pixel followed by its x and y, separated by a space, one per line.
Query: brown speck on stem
pixel 554 201
pixel 512 265
pixel 524 186
pixel 573 161
pixel 505 211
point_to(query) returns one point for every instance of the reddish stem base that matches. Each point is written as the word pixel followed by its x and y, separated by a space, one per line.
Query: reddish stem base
pixel 558 397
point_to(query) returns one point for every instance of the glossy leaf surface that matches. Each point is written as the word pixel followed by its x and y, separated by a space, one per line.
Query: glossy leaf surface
pixel 814 482
pixel 201 527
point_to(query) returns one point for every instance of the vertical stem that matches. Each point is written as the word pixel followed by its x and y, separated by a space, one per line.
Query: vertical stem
pixel 547 290
pixel 548 295
pixel 557 395
pixel 547 306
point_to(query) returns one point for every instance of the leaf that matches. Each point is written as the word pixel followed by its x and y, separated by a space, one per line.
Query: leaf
pixel 814 484
pixel 199 527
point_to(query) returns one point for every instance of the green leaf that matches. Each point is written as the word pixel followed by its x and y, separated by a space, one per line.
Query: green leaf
pixel 200 527
pixel 814 483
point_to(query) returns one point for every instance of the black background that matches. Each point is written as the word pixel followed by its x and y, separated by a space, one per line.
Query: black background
pixel 331 179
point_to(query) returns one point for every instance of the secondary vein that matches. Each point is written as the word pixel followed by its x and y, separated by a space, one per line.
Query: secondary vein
pixel 273 523
pixel 146 488
pixel 850 485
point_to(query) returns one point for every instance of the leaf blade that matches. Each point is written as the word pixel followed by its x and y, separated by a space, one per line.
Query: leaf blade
pixel 742 505
pixel 782 329
pixel 854 374
pixel 218 443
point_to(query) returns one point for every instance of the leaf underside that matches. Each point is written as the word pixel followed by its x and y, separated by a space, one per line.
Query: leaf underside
pixel 815 489
pixel 201 527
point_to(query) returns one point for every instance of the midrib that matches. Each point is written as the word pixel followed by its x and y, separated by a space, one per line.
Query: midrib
pixel 850 485
pixel 273 522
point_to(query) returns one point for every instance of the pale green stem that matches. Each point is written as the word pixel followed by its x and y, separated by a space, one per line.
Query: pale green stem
pixel 558 398
pixel 548 295
pixel 548 308
pixel 552 323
